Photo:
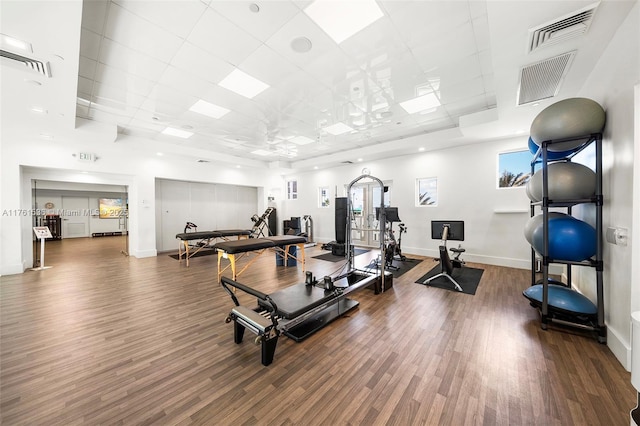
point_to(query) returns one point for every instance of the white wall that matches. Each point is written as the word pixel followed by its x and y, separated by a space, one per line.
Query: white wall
pixel 55 196
pixel 118 164
pixel 612 84
pixel 467 190
pixel 209 206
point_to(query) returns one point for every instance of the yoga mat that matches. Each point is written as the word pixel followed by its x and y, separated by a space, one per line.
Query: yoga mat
pixel 468 278
pixel 333 258
pixel 403 265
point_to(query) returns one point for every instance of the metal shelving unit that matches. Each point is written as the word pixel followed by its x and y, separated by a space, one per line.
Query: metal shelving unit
pixel 548 314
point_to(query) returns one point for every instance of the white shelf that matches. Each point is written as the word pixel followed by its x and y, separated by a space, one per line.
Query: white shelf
pixel 509 211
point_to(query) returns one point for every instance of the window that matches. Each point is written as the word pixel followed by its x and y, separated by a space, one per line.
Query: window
pixel 514 169
pixel 292 190
pixel 427 192
pixel 323 197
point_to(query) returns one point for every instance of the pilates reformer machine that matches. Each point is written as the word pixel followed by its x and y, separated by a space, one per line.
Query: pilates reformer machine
pixel 236 250
pixel 300 310
pixel 191 242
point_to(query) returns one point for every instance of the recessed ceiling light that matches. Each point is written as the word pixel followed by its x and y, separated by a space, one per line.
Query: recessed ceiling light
pixel 39 110
pixel 254 8
pixel 177 132
pixel 359 159
pixel 421 103
pixel 338 129
pixel 315 167
pixel 243 84
pixel 84 172
pixel 159 154
pixel 208 109
pixel 46 136
pixel 421 149
pixel 238 166
pixel 301 140
pixel 301 44
pixel 341 20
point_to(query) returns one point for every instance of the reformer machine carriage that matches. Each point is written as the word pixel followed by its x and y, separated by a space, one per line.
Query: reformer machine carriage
pixel 299 310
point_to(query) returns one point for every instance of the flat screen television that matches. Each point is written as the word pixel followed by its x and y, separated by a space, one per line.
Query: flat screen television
pixel 456 229
pixel 390 213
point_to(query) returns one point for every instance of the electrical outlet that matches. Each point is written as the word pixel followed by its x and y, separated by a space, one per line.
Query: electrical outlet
pixel 617 236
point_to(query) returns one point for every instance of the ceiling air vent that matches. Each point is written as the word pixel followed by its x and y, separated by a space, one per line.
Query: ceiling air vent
pixel 39 66
pixel 542 79
pixel 569 26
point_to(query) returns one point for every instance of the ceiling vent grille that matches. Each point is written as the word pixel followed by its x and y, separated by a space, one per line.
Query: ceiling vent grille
pixel 567 27
pixel 34 64
pixel 542 79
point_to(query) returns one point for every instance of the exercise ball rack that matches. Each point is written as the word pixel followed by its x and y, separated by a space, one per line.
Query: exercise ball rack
pixel 548 312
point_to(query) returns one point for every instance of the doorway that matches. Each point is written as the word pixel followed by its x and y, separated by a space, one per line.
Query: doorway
pixel 365 198
pixel 77 208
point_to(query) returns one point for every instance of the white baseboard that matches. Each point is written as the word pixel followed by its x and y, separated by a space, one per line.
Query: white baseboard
pixel 12 269
pixel 144 253
pixel 621 349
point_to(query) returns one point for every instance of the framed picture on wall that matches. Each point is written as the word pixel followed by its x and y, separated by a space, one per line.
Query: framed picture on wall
pixel 514 169
pixel 323 197
pixel 111 208
pixel 427 192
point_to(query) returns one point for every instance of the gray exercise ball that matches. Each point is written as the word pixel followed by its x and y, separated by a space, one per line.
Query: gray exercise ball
pixel 566 119
pixel 533 223
pixel 567 181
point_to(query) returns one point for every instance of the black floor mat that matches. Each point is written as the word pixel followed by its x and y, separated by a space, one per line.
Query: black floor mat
pixel 468 278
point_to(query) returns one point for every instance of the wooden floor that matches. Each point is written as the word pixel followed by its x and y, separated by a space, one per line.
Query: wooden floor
pixel 106 339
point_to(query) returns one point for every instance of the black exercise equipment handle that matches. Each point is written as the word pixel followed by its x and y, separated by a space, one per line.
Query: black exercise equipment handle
pixel 224 281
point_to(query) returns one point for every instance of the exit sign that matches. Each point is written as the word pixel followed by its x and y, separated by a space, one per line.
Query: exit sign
pixel 86 156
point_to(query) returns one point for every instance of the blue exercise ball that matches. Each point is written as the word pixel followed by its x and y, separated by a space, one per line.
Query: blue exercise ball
pixel 561 298
pixel 566 181
pixel 535 222
pixel 551 156
pixel 569 239
pixel 568 118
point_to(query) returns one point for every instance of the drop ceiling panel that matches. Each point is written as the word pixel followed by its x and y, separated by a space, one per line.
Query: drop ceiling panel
pixel 424 21
pixel 268 66
pixel 87 67
pixel 121 57
pixel 377 39
pixel 463 69
pixel 222 38
pixel 481 31
pixel 263 24
pixel 90 44
pixel 201 63
pixel 301 25
pixel 461 90
pixel 93 15
pixel 141 35
pixel 119 78
pixel 164 13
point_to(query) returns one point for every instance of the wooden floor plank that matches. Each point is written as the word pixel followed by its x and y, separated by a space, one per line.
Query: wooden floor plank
pixel 102 338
